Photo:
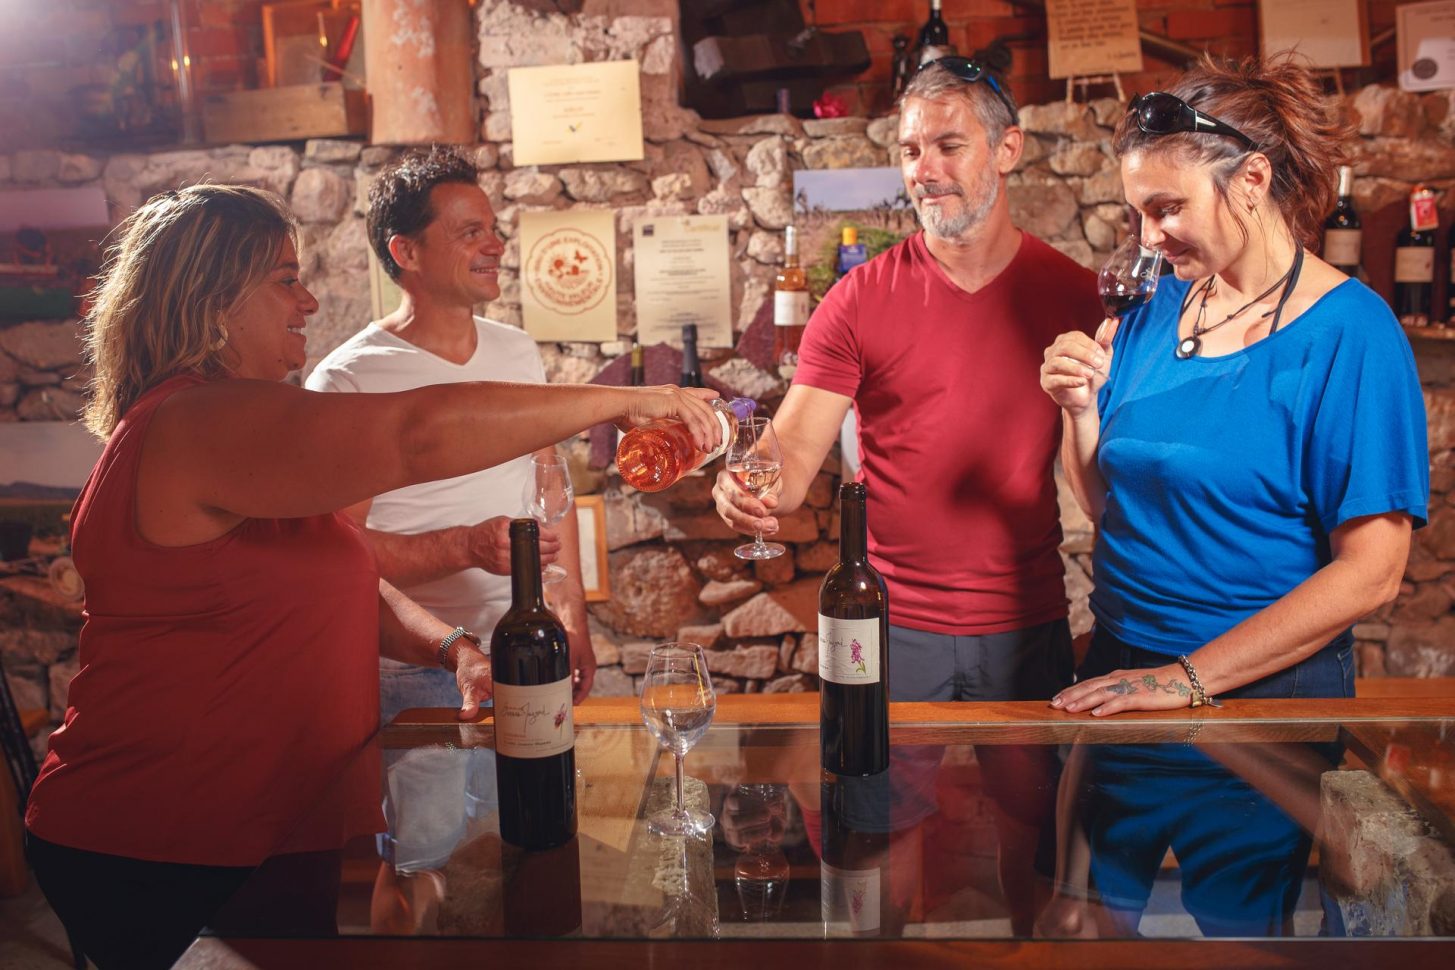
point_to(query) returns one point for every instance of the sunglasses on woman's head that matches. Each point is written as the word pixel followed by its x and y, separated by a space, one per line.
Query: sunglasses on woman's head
pixel 970 71
pixel 1160 113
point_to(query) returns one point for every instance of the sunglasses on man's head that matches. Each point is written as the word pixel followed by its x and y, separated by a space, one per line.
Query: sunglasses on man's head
pixel 970 71
pixel 1160 113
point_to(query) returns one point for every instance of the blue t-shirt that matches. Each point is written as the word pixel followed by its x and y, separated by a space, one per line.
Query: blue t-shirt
pixel 1225 475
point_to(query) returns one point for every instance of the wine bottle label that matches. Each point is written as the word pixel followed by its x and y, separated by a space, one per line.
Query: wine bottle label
pixel 849 899
pixel 1424 217
pixel 727 436
pixel 790 308
pixel 534 721
pixel 1414 264
pixel 1341 247
pixel 848 650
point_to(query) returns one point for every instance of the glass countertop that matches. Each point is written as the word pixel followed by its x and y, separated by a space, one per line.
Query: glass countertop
pixel 1263 820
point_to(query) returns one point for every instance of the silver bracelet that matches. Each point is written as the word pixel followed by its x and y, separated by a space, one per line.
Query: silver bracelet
pixel 1199 696
pixel 449 641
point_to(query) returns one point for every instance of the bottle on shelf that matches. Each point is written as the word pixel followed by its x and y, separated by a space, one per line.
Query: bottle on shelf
pixel 1343 233
pixel 1450 283
pixel 853 636
pixel 790 307
pixel 851 252
pixel 639 370
pixel 1414 261
pixel 691 366
pixel 655 455
pixel 535 738
pixel 934 37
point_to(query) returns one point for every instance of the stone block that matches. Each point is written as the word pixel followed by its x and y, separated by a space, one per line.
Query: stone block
pixel 845 151
pixel 704 635
pixel 319 195
pixel 829 127
pixel 771 207
pixel 531 186
pixel 75 169
pixel 756 662
pixel 654 592
pixel 42 345
pixel 805 658
pixel 884 132
pixel 786 648
pixel 1042 206
pixel 817 557
pixel 743 378
pixel 1389 111
pixel 787 609
pixel 1075 121
pixel 612 682
pixel 717 562
pixel 790 684
pixel 1079 158
pixel 774 572
pixel 724 593
pixel 1422 649
pixel 35 166
pixel 629 522
pixel 331 151
pixel 50 404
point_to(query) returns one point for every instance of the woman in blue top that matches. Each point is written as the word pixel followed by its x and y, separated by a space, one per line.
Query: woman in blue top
pixel 1251 442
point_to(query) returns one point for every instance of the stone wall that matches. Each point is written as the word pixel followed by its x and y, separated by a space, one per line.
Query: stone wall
pixel 672 572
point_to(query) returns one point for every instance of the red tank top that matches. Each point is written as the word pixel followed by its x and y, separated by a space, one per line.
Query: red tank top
pixel 227 694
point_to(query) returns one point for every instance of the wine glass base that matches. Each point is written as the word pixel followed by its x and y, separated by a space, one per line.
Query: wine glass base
pixel 689 823
pixel 768 550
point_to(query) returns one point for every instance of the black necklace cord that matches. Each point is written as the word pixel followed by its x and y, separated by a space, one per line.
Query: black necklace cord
pixel 1191 345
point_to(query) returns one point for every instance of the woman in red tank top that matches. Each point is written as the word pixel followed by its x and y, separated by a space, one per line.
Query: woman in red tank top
pixel 228 665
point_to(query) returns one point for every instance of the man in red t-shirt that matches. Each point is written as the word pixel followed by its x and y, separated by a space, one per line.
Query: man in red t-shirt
pixel 937 343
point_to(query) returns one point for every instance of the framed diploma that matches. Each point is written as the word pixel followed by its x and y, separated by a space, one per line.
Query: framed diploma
pixel 682 277
pixel 576 113
pixel 1426 41
pixel 591 525
pixel 568 274
pixel 1329 33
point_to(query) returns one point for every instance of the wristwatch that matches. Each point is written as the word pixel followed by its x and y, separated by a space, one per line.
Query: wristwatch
pixel 449 641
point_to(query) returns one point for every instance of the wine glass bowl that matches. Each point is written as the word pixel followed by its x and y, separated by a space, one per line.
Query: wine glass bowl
pixel 548 497
pixel 755 463
pixel 1129 277
pixel 677 705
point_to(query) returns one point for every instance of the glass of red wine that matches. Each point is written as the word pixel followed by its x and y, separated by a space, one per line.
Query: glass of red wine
pixel 1129 277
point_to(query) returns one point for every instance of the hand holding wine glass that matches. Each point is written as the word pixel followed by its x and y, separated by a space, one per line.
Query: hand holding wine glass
pixel 677 706
pixel 755 463
pixel 548 497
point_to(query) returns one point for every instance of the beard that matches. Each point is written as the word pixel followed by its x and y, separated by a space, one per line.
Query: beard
pixel 974 207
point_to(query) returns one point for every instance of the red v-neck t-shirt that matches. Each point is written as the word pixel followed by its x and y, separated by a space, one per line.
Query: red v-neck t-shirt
pixel 957 439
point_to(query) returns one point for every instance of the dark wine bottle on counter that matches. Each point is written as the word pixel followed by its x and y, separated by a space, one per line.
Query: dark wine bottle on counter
pixel 1343 232
pixel 853 637
pixel 535 735
pixel 1450 283
pixel 1414 261
pixel 691 367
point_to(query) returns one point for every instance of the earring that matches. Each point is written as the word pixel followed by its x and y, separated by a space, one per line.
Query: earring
pixel 221 340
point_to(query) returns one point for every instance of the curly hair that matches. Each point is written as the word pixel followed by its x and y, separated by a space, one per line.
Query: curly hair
pixel 179 264
pixel 1279 105
pixel 399 202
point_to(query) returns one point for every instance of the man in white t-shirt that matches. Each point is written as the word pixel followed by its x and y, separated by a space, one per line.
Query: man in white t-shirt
pixel 446 543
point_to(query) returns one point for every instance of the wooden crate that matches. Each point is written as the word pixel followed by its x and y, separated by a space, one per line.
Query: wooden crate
pixel 290 113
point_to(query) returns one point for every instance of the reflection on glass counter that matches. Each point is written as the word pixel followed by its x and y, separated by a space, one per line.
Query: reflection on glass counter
pixel 1169 829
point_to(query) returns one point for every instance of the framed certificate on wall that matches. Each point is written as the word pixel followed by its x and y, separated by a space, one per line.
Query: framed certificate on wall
pixel 1328 33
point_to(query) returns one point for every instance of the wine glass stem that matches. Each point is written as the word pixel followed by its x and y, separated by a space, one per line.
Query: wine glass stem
pixel 681 805
pixel 758 540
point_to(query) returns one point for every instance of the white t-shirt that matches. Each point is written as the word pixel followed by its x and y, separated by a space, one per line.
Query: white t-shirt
pixel 376 361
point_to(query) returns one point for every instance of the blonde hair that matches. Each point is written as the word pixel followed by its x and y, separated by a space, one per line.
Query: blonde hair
pixel 178 265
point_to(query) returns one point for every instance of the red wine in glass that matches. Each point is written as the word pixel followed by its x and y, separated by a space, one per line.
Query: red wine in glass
pixel 1129 277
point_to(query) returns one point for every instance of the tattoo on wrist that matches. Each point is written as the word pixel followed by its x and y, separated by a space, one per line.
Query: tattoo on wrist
pixel 1173 686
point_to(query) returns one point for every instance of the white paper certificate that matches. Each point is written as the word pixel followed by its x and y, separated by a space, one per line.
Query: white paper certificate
pixel 568 274
pixel 576 113
pixel 682 277
pixel 1426 41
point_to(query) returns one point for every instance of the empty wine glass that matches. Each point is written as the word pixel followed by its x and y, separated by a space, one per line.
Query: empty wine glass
pixel 1129 277
pixel 548 496
pixel 755 462
pixel 677 706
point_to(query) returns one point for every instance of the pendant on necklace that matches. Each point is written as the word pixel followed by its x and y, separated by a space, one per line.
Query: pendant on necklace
pixel 1189 347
